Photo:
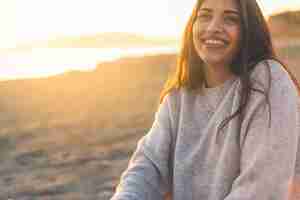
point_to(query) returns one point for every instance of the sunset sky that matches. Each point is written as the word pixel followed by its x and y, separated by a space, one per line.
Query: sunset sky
pixel 26 20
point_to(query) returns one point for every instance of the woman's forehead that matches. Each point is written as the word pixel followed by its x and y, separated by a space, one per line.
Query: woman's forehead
pixel 220 5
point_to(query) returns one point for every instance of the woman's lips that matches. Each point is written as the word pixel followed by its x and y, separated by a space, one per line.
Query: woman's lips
pixel 215 46
pixel 214 43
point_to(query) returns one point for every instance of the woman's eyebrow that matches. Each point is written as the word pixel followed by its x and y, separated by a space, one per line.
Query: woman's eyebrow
pixel 232 12
pixel 229 11
pixel 205 9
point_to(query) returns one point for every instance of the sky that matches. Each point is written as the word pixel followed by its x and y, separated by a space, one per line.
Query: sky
pixel 28 20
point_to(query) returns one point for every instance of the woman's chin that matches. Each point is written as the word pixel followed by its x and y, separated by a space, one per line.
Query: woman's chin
pixel 214 61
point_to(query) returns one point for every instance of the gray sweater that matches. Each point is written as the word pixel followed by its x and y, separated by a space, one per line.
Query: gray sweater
pixel 252 160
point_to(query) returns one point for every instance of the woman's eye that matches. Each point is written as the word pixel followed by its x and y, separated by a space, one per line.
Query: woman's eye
pixel 204 16
pixel 232 20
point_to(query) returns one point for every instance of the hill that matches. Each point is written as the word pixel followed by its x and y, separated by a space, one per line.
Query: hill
pixel 285 24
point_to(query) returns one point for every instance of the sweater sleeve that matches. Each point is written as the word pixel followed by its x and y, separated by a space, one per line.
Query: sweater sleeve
pixel 268 151
pixel 147 175
pixel 294 185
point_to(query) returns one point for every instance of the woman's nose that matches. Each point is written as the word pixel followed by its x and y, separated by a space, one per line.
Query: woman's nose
pixel 215 25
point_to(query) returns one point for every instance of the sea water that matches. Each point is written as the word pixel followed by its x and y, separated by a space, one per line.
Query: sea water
pixel 43 62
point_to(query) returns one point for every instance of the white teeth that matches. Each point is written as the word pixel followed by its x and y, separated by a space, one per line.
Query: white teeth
pixel 214 42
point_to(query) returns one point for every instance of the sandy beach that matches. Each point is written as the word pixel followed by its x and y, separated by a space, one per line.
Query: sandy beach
pixel 70 136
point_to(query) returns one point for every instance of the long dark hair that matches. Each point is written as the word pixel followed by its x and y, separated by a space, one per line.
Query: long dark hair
pixel 257 46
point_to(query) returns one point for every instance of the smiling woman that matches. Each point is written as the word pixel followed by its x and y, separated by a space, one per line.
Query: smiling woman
pixel 221 130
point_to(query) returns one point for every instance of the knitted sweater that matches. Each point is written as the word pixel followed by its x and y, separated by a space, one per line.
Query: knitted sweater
pixel 250 160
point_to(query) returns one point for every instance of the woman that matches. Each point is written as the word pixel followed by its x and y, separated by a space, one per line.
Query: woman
pixel 227 125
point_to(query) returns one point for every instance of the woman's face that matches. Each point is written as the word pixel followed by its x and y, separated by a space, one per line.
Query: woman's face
pixel 216 32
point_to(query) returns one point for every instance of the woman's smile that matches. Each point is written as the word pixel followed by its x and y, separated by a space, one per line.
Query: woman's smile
pixel 214 44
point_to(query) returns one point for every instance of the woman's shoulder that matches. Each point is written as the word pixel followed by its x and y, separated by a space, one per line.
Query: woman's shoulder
pixel 270 71
pixel 177 98
pixel 281 90
pixel 172 98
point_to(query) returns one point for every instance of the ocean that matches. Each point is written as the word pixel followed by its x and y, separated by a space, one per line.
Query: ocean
pixel 43 62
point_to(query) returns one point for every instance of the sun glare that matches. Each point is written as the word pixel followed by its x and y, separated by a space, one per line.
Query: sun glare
pixel 42 19
pixel 8 23
pixel 36 19
pixel 27 22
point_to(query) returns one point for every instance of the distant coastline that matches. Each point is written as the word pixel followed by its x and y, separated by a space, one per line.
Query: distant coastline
pixel 45 62
pixel 102 41
pixel 65 53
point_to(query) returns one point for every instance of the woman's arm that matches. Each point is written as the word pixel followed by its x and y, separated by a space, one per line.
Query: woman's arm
pixel 268 153
pixel 147 176
pixel 294 184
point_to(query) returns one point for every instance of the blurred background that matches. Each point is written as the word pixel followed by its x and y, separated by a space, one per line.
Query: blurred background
pixel 80 82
